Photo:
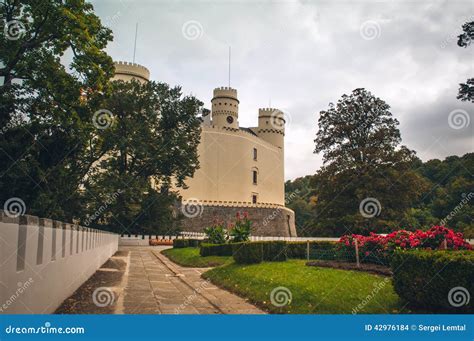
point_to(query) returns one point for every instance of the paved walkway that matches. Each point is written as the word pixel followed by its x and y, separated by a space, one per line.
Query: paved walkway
pixel 152 284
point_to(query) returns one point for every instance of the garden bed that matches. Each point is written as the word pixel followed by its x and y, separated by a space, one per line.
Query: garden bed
pixel 365 267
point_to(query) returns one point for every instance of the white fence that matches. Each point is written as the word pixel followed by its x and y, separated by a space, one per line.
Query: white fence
pixel 42 262
pixel 128 240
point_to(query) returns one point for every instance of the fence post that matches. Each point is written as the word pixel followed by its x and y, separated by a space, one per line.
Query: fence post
pixel 307 250
pixel 444 245
pixel 357 252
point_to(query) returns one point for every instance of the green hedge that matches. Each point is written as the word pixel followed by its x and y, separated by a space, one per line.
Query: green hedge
pixel 256 252
pixel 215 249
pixel 425 278
pixel 317 249
pixel 180 243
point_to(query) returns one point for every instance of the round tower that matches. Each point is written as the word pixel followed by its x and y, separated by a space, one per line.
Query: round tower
pixel 127 71
pixel 225 108
pixel 271 126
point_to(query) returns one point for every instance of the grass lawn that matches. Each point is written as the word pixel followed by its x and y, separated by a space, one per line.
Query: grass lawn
pixel 189 256
pixel 314 290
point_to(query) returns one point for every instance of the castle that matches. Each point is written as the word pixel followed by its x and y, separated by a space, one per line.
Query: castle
pixel 241 169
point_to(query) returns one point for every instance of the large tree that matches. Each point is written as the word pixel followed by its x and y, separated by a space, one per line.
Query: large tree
pixel 55 72
pixel 466 90
pixel 151 132
pixel 367 182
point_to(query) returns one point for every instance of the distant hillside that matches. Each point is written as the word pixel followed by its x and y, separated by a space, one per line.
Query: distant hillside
pixel 449 199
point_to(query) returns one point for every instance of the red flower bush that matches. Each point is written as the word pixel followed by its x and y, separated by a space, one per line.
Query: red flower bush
pixel 434 238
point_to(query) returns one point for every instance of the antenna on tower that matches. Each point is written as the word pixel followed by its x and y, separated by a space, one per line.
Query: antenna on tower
pixel 135 44
pixel 229 65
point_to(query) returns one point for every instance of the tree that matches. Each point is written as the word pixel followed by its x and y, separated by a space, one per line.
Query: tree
pixel 151 133
pixel 48 142
pixel 368 181
pixel 466 90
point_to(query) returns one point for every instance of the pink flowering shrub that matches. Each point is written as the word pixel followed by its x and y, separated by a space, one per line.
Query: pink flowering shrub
pixel 378 248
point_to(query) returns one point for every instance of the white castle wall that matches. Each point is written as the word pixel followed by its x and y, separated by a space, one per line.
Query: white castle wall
pixel 226 165
pixel 42 262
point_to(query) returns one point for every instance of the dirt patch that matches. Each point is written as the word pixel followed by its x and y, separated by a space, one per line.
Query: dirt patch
pixel 114 263
pixel 97 295
pixel 365 267
pixel 121 254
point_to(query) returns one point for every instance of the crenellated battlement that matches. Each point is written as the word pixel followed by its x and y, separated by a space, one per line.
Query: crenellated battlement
pixel 127 71
pixel 119 62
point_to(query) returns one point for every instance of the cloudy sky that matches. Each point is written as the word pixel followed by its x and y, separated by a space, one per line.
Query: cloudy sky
pixel 301 55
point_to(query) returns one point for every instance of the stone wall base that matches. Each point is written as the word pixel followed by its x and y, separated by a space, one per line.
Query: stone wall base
pixel 272 222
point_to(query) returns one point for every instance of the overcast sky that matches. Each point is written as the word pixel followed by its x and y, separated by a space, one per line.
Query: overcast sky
pixel 301 55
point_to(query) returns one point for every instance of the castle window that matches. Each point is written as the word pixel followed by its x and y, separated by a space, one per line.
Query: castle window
pixel 254 175
pixel 254 198
pixel 255 153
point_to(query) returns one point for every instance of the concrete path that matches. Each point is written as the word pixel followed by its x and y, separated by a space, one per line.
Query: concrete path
pixel 152 284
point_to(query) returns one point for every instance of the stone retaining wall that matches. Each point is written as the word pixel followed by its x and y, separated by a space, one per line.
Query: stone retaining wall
pixel 275 222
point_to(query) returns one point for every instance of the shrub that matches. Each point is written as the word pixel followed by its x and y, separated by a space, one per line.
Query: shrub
pixel 180 243
pixel 247 253
pixel 216 234
pixel 318 250
pixel 240 232
pixel 207 249
pixel 255 252
pixel 274 251
pixel 425 278
pixel 194 242
pixel 376 248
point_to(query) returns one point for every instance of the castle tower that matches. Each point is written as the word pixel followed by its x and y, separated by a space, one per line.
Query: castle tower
pixel 225 108
pixel 271 126
pixel 127 71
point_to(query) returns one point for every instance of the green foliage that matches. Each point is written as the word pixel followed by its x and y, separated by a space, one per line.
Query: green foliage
pixel 241 231
pixel 466 90
pixel 317 249
pixel 247 253
pixel 256 252
pixel 151 139
pixel 180 243
pixel 216 234
pixel 425 278
pixel 207 249
pixel 363 158
pixel 41 106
